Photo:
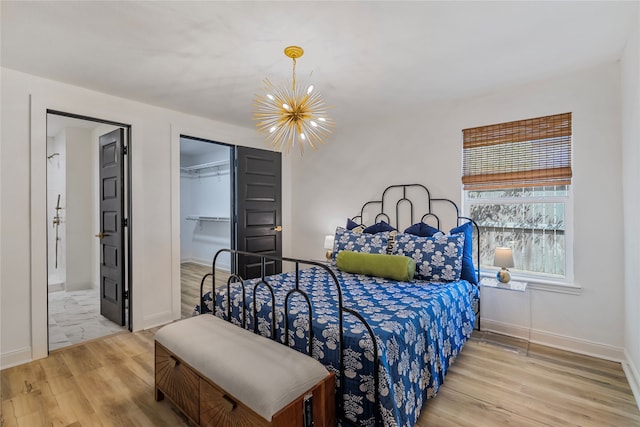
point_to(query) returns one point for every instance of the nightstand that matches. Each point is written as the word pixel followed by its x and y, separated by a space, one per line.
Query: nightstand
pixel 508 308
pixel 510 286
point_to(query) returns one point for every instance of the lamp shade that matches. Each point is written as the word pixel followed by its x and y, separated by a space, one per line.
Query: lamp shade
pixel 328 241
pixel 503 258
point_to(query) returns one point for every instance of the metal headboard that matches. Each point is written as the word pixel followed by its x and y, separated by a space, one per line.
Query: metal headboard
pixel 398 206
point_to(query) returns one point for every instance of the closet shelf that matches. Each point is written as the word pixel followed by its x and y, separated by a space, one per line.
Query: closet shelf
pixel 207 218
pixel 195 168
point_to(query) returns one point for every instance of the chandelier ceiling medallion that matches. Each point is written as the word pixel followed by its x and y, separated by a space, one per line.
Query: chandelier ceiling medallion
pixel 292 115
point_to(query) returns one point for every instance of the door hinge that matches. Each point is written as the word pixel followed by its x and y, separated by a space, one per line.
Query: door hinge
pixel 125 222
pixel 126 294
pixel 125 150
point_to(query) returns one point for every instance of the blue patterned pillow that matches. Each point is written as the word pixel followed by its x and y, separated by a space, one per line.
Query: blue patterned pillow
pixel 421 229
pixel 360 242
pixel 378 227
pixel 468 268
pixel 438 258
pixel 351 225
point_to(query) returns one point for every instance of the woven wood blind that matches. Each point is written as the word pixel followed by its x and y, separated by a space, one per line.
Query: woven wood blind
pixel 524 153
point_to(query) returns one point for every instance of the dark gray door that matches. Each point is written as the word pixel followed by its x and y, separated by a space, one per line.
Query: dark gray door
pixel 112 283
pixel 259 209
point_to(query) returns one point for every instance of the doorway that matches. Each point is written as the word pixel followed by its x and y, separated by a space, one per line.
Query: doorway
pixel 77 262
pixel 206 208
pixel 230 198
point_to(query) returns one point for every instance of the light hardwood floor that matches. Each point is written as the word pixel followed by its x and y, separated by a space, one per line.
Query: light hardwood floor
pixel 496 381
pixel 190 276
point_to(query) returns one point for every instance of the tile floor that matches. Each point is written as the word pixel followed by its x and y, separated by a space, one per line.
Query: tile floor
pixel 75 317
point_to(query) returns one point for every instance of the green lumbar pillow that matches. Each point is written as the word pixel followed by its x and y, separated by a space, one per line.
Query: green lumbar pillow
pixel 396 267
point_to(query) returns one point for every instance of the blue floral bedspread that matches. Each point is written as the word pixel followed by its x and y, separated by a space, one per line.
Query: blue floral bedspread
pixel 420 328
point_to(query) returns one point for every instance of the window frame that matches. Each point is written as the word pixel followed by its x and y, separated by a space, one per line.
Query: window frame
pixel 531 277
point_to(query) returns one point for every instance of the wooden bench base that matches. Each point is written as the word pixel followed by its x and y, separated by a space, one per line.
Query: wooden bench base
pixel 207 405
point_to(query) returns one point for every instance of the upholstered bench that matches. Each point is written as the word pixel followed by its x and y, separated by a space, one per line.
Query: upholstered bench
pixel 219 374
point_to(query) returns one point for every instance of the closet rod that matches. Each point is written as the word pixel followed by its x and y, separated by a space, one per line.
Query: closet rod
pixel 205 166
pixel 207 218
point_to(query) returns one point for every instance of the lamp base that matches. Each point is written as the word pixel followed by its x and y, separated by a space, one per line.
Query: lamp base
pixel 503 276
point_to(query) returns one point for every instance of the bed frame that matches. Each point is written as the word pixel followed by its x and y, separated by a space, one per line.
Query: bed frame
pixel 402 198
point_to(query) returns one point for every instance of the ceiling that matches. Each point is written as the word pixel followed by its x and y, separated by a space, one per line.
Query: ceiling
pixel 369 59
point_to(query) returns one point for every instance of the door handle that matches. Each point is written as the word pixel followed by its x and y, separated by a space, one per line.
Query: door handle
pixel 102 235
pixel 277 228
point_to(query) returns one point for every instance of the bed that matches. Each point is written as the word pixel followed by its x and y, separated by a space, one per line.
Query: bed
pixel 420 325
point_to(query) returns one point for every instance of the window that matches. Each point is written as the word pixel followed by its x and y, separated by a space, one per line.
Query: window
pixel 517 185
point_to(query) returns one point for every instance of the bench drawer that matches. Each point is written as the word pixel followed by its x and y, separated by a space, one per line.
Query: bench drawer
pixel 218 409
pixel 178 382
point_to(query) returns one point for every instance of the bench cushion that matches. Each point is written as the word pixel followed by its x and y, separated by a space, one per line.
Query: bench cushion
pixel 264 375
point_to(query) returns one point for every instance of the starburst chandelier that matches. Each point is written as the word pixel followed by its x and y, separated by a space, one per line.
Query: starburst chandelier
pixel 292 115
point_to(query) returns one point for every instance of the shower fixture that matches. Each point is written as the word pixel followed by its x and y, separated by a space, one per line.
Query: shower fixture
pixel 57 220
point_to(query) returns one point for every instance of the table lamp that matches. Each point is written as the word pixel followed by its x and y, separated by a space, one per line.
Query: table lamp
pixel 503 258
pixel 328 245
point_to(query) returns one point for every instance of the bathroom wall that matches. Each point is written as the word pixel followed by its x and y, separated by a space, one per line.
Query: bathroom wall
pixel 79 208
pixel 56 185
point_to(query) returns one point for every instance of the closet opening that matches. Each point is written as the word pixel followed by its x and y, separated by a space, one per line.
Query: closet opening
pixel 206 213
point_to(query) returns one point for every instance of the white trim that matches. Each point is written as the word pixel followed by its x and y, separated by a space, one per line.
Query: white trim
pixel 158 319
pixel 176 132
pixel 549 339
pixel 38 228
pixel 633 376
pixel 538 284
pixel 1 364
pixel 15 358
pixel 38 212
pixel 558 288
pixel 175 222
pixel 515 331
pixel 562 283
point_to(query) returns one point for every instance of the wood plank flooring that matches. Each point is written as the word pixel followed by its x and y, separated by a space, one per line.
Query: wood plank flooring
pixel 190 276
pixel 105 382
pixel 496 381
pixel 501 381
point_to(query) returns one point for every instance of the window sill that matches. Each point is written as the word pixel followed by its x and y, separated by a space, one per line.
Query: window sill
pixel 537 284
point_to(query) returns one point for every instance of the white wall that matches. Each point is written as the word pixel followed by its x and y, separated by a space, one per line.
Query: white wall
pixel 424 146
pixel 79 207
pixel 155 207
pixel 631 186
pixel 56 185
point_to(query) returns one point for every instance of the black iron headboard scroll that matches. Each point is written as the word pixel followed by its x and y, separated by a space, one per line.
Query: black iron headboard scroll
pixel 235 279
pixel 399 203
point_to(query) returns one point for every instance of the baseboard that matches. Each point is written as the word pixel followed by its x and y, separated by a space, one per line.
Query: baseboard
pixel 158 319
pixel 55 287
pixel 550 339
pixel 207 263
pixel 633 376
pixel 504 328
pixel 15 358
